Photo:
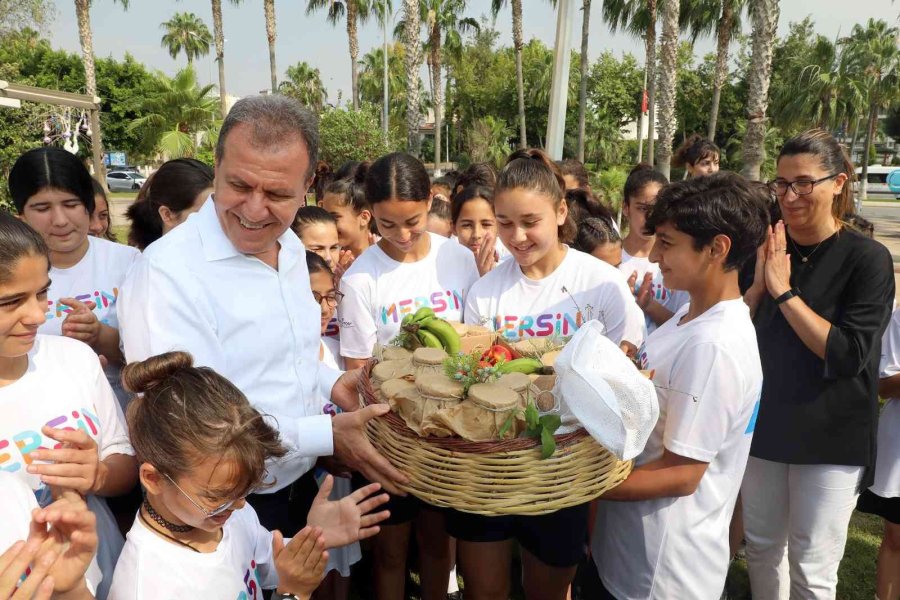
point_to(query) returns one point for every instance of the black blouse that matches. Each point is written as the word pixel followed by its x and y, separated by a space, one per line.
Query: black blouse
pixel 815 411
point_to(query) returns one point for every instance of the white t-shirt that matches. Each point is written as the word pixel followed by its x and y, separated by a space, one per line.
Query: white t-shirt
pixel 96 278
pixel 887 465
pixel 708 379
pixel 153 568
pixel 582 288
pixel 331 353
pixel 63 387
pixel 670 299
pixel 379 291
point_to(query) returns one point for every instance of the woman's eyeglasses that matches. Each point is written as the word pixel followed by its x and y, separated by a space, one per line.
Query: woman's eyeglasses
pixel 332 299
pixel 801 187
pixel 206 511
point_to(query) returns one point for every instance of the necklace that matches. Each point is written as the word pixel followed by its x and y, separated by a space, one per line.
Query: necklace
pixel 164 534
pixel 160 520
pixel 805 257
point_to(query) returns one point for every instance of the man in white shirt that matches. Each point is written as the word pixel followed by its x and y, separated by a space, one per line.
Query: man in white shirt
pixel 663 533
pixel 230 286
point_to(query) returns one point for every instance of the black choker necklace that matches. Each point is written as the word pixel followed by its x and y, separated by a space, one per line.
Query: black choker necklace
pixel 162 522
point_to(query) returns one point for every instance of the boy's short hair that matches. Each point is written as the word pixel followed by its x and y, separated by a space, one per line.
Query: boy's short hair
pixel 720 204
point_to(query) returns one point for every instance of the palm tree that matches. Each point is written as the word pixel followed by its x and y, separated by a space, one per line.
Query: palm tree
pixel 702 17
pixel 442 17
pixel 371 81
pixel 83 15
pixel 814 94
pixel 269 8
pixel 764 16
pixel 219 35
pixel 383 10
pixel 638 17
pixel 357 12
pixel 518 42
pixel 488 140
pixel 305 84
pixel 411 61
pixel 668 69
pixel 582 90
pixel 875 52
pixel 177 115
pixel 186 32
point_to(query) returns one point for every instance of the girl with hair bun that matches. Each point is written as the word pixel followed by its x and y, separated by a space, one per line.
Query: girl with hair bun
pixel 345 199
pixel 546 289
pixel 407 269
pixel 61 425
pixel 202 449
pixel 698 155
pixel 645 279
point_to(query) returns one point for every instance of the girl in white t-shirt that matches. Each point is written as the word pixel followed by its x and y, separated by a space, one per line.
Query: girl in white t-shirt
pixel 345 199
pixel 474 223
pixel 202 448
pixel 53 192
pixel 407 269
pixel 317 229
pixel 61 424
pixel 45 551
pixel 546 289
pixel 657 301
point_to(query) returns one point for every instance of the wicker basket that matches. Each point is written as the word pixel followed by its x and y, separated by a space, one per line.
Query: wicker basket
pixel 501 477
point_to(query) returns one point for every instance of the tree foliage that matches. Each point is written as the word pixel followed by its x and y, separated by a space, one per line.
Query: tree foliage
pixel 347 134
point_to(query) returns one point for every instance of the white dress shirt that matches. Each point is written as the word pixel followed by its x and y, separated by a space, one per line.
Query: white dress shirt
pixel 257 326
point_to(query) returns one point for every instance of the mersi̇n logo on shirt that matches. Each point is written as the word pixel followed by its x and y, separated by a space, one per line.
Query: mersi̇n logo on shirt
pixel 100 298
pixel 29 440
pixel 251 582
pixel 437 301
pixel 559 323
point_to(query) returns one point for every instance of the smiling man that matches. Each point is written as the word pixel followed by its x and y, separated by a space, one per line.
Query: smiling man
pixel 230 285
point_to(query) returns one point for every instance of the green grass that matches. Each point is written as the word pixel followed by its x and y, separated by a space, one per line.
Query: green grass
pixel 856 576
pixel 123 195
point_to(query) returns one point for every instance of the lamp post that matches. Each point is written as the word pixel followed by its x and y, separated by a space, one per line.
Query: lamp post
pixel 559 88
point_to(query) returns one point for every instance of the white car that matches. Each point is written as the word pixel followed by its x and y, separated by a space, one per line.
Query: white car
pixel 883 182
pixel 124 181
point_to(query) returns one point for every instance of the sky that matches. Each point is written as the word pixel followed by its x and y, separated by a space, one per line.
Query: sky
pixel 311 38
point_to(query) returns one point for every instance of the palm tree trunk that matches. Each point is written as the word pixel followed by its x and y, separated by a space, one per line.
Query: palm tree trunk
pixel 867 148
pixel 855 137
pixel 520 78
pixel 411 65
pixel 668 69
pixel 353 37
pixel 219 34
pixel 437 92
pixel 582 91
pixel 83 13
pixel 651 77
pixel 269 7
pixel 723 38
pixel 764 15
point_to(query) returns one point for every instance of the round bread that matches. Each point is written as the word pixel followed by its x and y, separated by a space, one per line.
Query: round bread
pixel 390 369
pixel 517 382
pixel 493 397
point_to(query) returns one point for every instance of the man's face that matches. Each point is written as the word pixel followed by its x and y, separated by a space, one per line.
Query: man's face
pixel 258 191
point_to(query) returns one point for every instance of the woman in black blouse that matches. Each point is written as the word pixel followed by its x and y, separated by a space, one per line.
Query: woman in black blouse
pixel 823 295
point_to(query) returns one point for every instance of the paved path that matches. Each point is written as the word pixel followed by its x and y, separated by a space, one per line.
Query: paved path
pixel 885 216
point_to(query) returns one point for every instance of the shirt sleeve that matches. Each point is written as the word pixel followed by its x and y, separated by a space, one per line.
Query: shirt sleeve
pixel 703 401
pixel 890 347
pixel 866 309
pixel 160 313
pixel 619 313
pixel 359 332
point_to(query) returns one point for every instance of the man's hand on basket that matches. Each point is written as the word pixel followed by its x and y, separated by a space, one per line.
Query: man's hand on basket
pixel 353 448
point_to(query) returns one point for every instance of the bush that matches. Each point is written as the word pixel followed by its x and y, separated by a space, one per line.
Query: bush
pixel 346 134
pixel 610 182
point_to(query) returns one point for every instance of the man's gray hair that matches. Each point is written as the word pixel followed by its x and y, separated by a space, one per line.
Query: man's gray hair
pixel 275 120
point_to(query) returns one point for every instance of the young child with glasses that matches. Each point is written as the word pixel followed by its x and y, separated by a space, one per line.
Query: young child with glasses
pixel 202 448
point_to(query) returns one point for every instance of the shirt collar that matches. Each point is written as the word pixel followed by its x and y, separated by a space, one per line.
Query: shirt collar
pixel 217 246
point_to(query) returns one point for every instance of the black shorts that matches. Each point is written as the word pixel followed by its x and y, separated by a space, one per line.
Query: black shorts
pixel 886 508
pixel 558 539
pixel 286 509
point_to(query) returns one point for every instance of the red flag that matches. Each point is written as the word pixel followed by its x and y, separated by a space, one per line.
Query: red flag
pixel 645 103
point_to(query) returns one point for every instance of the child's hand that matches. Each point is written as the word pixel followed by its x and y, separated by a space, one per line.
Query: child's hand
pixel 347 520
pixel 643 294
pixel 81 323
pixel 72 537
pixel 14 564
pixel 76 465
pixel 301 564
pixel 486 258
pixel 345 259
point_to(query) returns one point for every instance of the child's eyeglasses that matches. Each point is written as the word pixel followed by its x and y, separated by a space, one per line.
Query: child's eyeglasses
pixel 332 299
pixel 206 511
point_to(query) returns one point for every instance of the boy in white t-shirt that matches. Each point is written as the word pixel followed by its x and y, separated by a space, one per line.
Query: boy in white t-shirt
pixel 663 533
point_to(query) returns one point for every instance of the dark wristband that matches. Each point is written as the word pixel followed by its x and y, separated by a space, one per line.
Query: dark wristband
pixel 786 296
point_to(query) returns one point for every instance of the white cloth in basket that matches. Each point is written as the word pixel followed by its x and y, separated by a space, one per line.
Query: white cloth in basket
pixel 600 388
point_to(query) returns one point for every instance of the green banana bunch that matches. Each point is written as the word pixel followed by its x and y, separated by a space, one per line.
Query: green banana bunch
pixel 520 365
pixel 443 331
